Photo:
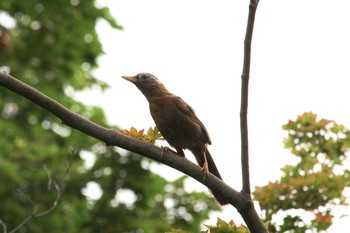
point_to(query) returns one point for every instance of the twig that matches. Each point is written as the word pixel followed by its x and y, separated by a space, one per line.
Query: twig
pixel 4 226
pixel 244 99
pixel 49 180
pixel 24 222
pixel 54 203
pixel 34 212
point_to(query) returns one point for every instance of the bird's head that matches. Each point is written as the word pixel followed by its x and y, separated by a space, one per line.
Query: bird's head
pixel 143 79
pixel 148 84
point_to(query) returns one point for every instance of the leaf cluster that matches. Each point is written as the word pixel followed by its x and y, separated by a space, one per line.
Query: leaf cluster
pixel 316 183
pixel 151 136
pixel 222 227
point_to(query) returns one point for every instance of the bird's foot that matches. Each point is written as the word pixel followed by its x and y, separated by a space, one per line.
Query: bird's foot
pixel 205 171
pixel 163 149
pixel 166 149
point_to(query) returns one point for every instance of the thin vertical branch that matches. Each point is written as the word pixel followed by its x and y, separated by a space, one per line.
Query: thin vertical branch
pixel 244 98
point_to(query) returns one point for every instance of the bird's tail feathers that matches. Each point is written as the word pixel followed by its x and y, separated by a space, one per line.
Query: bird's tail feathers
pixel 212 169
pixel 211 164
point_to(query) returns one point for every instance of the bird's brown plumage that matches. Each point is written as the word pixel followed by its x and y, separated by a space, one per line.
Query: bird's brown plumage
pixel 177 121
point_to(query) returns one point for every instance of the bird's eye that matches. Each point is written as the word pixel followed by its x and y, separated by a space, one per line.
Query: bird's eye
pixel 143 77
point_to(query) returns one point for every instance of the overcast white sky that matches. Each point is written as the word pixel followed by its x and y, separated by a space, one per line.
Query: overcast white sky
pixel 300 62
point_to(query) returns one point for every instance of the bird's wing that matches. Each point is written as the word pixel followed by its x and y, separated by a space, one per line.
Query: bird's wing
pixel 189 111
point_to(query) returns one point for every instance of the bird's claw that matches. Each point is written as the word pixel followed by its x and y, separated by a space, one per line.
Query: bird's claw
pixel 163 149
pixel 205 171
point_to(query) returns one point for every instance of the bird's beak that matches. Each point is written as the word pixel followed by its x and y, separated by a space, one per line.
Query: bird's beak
pixel 132 79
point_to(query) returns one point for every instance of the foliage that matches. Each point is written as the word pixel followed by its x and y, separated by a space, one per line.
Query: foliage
pixel 53 46
pixel 151 136
pixel 222 227
pixel 316 183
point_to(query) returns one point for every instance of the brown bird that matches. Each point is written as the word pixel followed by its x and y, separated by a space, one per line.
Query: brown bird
pixel 177 122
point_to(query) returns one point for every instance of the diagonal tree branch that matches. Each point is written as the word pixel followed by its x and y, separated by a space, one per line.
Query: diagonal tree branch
pixel 113 138
pixel 244 98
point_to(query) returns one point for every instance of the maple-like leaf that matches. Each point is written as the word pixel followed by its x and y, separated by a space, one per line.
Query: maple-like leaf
pixel 152 135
